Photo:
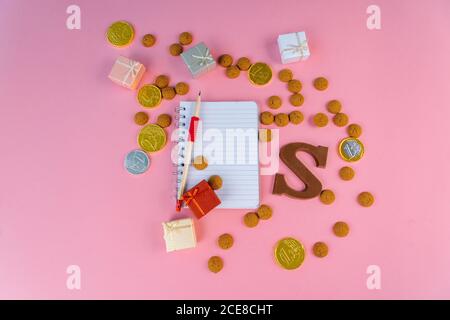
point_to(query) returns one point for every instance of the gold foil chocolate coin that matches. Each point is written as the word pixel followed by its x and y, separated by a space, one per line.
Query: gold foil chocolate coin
pixel 152 138
pixel 120 34
pixel 351 149
pixel 149 96
pixel 260 73
pixel 289 253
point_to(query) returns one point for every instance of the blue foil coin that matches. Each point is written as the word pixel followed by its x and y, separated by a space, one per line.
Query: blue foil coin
pixel 351 149
pixel 137 162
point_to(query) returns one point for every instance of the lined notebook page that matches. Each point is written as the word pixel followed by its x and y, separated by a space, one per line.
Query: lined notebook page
pixel 229 141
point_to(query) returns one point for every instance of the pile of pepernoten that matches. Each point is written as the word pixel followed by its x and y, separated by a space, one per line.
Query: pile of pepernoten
pixel 201 199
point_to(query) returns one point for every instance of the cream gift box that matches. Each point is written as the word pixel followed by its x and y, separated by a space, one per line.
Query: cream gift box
pixel 127 73
pixel 293 47
pixel 179 234
pixel 199 60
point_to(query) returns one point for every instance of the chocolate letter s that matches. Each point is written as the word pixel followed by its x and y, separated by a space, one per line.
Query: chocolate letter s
pixel 313 186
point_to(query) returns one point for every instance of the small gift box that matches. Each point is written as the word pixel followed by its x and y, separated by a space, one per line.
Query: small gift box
pixel 199 60
pixel 179 234
pixel 293 47
pixel 127 72
pixel 201 199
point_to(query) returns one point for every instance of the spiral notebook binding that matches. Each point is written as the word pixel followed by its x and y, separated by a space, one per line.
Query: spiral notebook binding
pixel 181 125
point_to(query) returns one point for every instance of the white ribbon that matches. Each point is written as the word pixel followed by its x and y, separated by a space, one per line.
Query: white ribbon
pixel 301 47
pixel 133 68
pixel 174 227
pixel 204 59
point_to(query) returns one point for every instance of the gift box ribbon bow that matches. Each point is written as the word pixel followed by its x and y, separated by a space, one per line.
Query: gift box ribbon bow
pixel 203 58
pixel 190 197
pixel 133 68
pixel 300 47
pixel 173 228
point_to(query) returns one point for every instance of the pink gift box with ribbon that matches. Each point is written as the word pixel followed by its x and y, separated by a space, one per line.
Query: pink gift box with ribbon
pixel 127 73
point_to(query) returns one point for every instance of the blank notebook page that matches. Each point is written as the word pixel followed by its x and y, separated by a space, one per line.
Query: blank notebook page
pixel 228 138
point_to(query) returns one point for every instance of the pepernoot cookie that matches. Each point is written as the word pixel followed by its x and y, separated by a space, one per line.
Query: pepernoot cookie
pixel 162 81
pixel 168 93
pixel 285 75
pixel 296 117
pixel 296 99
pixel 215 182
pixel 274 102
pixel 341 229
pixel 225 60
pixel 185 38
pixel 320 83
pixel 346 173
pixel 215 264
pixel 340 119
pixel 282 119
pixel 266 118
pixel 334 106
pixel 148 40
pixel 243 63
pixel 225 241
pixel 181 88
pixel 164 120
pixel 141 118
pixel 265 135
pixel 200 163
pixel 320 249
pixel 175 49
pixel 354 130
pixel 320 119
pixel 232 72
pixel 366 199
pixel 294 86
pixel 327 196
pixel 264 212
pixel 251 219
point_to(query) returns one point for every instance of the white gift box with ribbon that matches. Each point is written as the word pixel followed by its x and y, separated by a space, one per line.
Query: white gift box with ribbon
pixel 179 234
pixel 293 47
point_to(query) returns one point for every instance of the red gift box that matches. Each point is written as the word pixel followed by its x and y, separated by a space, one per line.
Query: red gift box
pixel 201 199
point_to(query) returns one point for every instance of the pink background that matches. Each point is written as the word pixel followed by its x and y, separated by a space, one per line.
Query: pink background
pixel 65 128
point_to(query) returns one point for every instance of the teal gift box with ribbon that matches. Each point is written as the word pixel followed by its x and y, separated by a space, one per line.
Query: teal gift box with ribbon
pixel 293 47
pixel 199 60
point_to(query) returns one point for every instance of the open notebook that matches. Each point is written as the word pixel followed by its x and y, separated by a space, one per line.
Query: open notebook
pixel 228 138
